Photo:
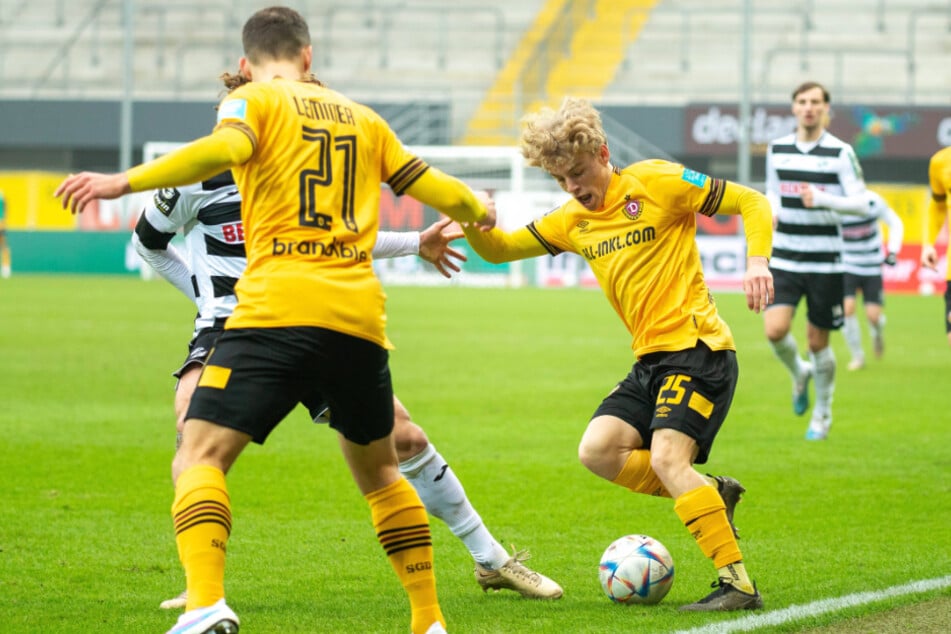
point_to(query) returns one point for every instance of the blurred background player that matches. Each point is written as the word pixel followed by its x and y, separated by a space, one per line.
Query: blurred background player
pixel 636 227
pixel 939 180
pixel 807 247
pixel 209 215
pixel 862 256
pixel 4 247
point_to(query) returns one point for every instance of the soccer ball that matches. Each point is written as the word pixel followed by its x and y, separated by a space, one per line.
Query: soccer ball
pixel 636 569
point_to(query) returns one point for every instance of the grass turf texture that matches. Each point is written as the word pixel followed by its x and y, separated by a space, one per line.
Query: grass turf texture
pixel 504 382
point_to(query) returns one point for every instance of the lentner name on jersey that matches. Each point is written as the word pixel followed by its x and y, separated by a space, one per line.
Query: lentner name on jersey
pixel 309 243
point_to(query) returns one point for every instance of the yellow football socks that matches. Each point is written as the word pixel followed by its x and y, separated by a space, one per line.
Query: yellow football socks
pixel 201 514
pixel 638 475
pixel 402 527
pixel 703 513
pixel 736 574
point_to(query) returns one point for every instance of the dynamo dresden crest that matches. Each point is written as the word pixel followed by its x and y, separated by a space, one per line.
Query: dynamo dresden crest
pixel 633 209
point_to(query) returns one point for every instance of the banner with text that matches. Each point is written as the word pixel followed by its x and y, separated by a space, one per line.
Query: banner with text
pixel 879 131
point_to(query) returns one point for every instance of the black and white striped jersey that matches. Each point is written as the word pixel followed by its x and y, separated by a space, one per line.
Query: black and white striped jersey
pixel 809 240
pixel 209 216
pixel 862 237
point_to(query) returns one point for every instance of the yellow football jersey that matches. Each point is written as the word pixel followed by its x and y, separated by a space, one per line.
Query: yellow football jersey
pixel 641 247
pixel 939 178
pixel 310 210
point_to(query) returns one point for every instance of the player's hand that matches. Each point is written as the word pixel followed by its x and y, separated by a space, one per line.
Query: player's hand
pixel 489 221
pixel 808 195
pixel 434 246
pixel 758 284
pixel 929 257
pixel 80 189
pixel 891 259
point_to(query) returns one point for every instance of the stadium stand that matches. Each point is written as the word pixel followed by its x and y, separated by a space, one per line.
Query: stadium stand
pixel 388 45
pixel 494 59
pixel 571 48
pixel 871 51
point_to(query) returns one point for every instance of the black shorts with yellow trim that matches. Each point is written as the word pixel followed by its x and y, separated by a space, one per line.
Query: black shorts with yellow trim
pixel 688 390
pixel 254 377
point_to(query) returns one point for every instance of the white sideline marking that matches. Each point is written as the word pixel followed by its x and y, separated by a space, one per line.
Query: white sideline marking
pixel 795 612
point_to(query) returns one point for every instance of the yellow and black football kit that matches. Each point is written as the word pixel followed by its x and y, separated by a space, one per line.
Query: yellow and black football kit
pixel 939 179
pixel 641 247
pixel 310 322
pixel 311 206
pixel 309 163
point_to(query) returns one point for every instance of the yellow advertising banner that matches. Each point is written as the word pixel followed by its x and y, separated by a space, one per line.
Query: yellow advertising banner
pixel 910 203
pixel 30 203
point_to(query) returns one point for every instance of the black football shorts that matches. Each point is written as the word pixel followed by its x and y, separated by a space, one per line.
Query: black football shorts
pixel 254 377
pixel 689 390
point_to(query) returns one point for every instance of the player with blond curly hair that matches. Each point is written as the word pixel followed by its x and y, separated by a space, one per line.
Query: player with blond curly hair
pixel 636 228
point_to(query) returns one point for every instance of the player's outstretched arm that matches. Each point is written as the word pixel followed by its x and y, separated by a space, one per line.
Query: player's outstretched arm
pixel 497 246
pixel 200 159
pixel 855 205
pixel 758 226
pixel 431 244
pixel 452 197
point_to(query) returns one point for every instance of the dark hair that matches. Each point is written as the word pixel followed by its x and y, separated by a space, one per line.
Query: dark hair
pixel 276 33
pixel 233 81
pixel 809 85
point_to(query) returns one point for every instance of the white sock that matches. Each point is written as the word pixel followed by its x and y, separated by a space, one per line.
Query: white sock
pixel 824 380
pixel 443 496
pixel 787 351
pixel 853 336
pixel 876 329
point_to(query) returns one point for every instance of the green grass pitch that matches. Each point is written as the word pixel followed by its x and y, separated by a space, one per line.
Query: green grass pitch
pixel 504 382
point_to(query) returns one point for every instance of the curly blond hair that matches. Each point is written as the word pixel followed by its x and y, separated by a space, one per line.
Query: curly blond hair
pixel 553 140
